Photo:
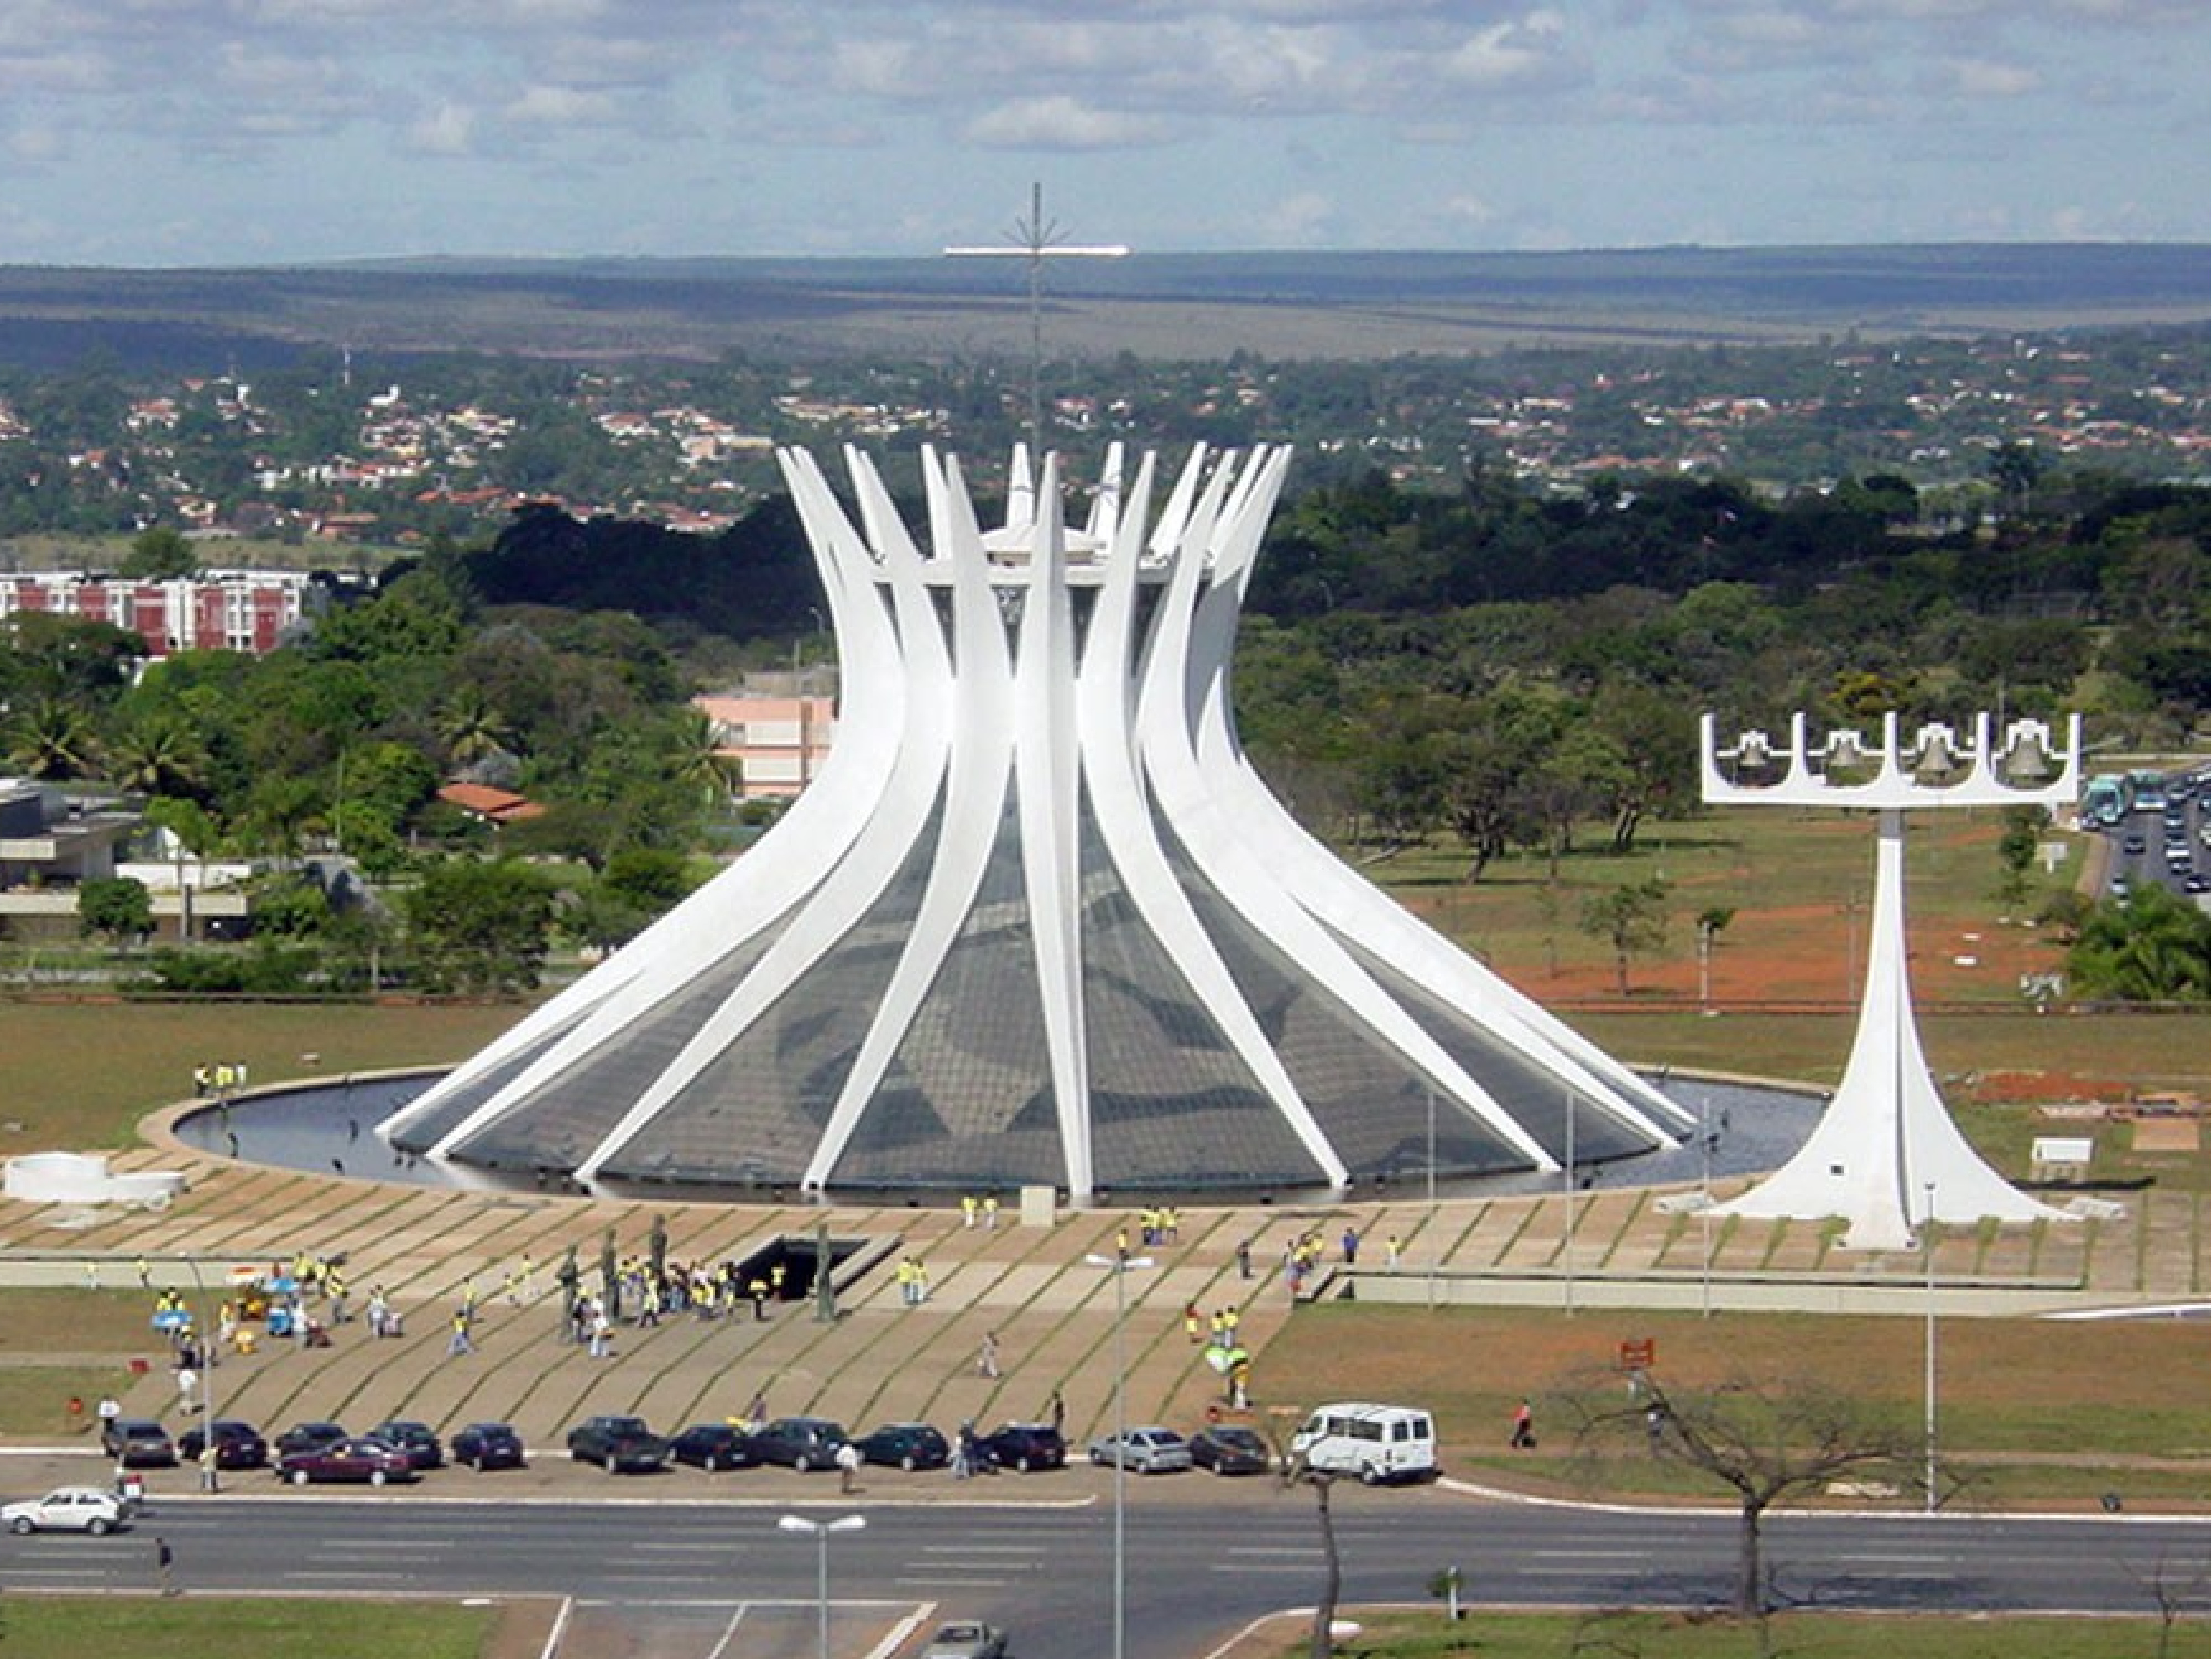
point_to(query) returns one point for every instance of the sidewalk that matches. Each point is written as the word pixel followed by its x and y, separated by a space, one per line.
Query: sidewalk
pixel 1052 1312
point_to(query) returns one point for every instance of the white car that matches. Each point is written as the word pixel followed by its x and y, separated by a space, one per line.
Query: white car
pixel 68 1509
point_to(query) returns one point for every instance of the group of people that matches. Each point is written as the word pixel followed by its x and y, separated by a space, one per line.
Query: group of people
pixel 984 1210
pixel 222 1078
pixel 913 1277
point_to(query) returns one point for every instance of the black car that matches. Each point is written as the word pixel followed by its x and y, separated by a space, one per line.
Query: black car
pixel 1022 1447
pixel 712 1446
pixel 1230 1449
pixel 237 1445
pixel 418 1440
pixel 309 1437
pixel 137 1443
pixel 489 1446
pixel 624 1445
pixel 799 1442
pixel 905 1446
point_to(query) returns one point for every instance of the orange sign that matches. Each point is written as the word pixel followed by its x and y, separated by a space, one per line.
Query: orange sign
pixel 1637 1353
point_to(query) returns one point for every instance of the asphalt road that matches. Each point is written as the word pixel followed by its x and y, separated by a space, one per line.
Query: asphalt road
pixel 1199 1568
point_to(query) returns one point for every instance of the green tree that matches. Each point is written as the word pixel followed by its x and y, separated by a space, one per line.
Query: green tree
pixel 157 754
pixel 2023 834
pixel 1631 918
pixel 478 925
pixel 2150 947
pixel 159 553
pixel 53 738
pixel 116 908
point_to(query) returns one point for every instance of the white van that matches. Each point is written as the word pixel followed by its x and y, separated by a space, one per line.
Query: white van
pixel 1376 1442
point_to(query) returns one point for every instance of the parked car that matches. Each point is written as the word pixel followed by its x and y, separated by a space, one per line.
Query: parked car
pixel 237 1445
pixel 966 1640
pixel 68 1509
pixel 309 1437
pixel 359 1460
pixel 1231 1449
pixel 1022 1447
pixel 137 1443
pixel 1148 1450
pixel 800 1442
pixel 421 1443
pixel 620 1445
pixel 712 1446
pixel 489 1446
pixel 905 1446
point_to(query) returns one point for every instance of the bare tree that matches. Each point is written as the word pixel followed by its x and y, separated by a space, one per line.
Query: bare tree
pixel 1292 1471
pixel 1766 1440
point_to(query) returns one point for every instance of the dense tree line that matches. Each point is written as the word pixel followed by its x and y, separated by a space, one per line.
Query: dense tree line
pixel 1504 667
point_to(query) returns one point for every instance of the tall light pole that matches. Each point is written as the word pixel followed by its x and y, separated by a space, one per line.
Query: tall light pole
pixel 1121 1264
pixel 1567 1242
pixel 822 1530
pixel 1705 1208
pixel 1434 1246
pixel 207 1345
pixel 1928 1265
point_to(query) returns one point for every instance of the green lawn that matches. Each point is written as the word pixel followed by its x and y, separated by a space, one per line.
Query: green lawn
pixel 198 1627
pixel 2024 1404
pixel 1799 1635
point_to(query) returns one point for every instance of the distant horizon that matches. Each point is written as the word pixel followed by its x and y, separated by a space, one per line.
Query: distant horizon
pixel 354 261
pixel 217 134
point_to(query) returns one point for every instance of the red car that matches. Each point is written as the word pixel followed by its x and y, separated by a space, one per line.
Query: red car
pixel 364 1460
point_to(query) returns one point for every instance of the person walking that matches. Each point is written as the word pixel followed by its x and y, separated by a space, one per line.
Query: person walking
pixel 165 1562
pixel 986 1355
pixel 849 1467
pixel 1524 1428
pixel 460 1343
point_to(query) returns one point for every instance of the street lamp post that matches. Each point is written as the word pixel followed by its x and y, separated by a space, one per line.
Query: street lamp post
pixel 207 1347
pixel 822 1530
pixel 1121 1264
pixel 1434 1245
pixel 1567 1238
pixel 1928 1265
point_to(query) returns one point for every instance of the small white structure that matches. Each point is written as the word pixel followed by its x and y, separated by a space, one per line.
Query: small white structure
pixel 1886 1155
pixel 85 1178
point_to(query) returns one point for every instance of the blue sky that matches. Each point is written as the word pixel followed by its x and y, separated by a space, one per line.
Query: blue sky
pixel 151 133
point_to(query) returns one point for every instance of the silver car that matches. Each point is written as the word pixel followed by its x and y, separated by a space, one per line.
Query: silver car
pixel 966 1640
pixel 1150 1450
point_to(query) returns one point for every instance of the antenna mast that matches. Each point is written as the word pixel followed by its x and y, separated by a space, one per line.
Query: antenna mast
pixel 1036 239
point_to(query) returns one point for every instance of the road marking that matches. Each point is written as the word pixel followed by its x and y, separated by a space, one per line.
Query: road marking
pixel 646 1548
pixel 728 1630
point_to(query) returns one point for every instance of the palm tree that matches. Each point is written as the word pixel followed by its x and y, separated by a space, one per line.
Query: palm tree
pixel 53 738
pixel 158 756
pixel 470 725
pixel 697 760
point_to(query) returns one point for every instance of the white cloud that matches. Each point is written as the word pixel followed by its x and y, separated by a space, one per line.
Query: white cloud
pixel 1978 78
pixel 35 146
pixel 1059 122
pixel 559 107
pixel 448 129
pixel 1301 220
pixel 1508 56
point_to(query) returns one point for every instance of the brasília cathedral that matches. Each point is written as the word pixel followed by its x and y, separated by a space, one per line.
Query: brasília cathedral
pixel 1038 921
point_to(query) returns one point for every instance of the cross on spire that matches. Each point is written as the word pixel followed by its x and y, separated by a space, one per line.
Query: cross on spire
pixel 1036 239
